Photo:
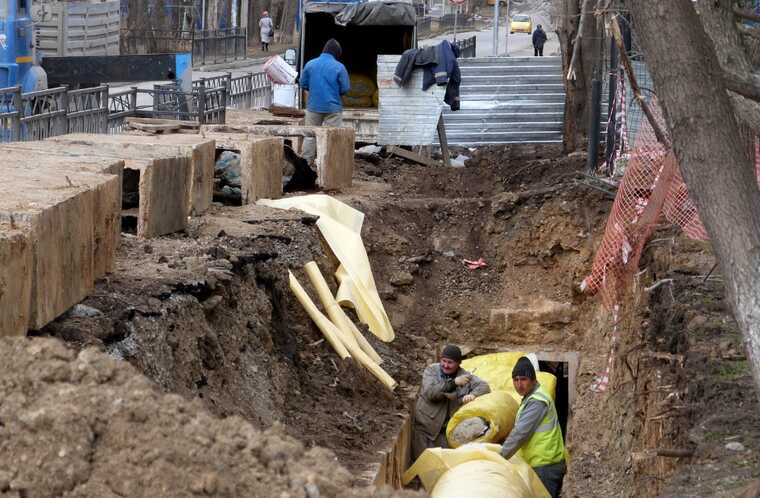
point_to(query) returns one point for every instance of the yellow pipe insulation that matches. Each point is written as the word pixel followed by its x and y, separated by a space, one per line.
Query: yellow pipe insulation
pixel 351 334
pixel 328 329
pixel 343 342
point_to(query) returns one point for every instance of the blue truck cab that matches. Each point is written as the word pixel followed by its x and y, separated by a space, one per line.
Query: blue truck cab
pixel 17 65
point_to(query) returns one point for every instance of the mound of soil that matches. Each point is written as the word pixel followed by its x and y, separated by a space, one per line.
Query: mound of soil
pixel 80 424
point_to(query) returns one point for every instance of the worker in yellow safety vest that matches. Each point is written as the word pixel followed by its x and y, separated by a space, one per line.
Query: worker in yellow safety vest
pixel 536 432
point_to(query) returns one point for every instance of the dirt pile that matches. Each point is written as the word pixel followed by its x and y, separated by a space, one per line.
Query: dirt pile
pixel 84 425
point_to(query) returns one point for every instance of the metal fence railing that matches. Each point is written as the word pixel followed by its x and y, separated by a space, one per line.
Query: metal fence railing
pixel 57 111
pixel 467 47
pixel 207 47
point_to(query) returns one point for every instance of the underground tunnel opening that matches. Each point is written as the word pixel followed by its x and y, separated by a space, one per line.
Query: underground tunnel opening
pixel 130 200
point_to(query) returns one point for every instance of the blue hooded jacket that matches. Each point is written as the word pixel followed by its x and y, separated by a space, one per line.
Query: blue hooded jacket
pixel 326 80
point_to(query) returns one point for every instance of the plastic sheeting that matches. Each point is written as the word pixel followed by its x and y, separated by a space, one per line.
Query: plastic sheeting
pixel 475 470
pixel 496 369
pixel 341 226
pixel 498 408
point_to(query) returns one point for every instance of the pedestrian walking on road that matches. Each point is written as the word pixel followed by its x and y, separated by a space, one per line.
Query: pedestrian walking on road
pixel 326 80
pixel 539 38
pixel 266 30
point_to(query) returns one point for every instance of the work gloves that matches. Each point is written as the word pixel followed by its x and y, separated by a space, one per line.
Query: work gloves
pixel 463 380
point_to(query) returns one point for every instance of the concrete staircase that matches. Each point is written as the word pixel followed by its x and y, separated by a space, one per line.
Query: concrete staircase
pixel 508 100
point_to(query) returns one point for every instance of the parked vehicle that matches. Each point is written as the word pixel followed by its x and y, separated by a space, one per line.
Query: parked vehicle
pixel 521 24
pixel 364 30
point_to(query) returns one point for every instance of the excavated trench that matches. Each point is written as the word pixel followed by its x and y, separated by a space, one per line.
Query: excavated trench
pixel 209 315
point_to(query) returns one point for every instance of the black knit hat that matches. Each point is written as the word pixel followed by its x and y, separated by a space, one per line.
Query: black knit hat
pixel 333 47
pixel 524 368
pixel 452 353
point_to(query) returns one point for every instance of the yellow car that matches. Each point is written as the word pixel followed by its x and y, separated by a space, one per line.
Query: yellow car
pixel 521 24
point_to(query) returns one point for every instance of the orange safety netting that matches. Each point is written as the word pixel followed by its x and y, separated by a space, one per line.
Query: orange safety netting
pixel 651 187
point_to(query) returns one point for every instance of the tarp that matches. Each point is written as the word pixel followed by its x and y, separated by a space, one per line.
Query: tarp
pixel 341 226
pixel 378 13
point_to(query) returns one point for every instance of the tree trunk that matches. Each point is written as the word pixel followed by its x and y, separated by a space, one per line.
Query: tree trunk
pixel 710 147
pixel 577 91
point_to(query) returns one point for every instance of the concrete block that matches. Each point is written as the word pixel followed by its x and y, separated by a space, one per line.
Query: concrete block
pixel 58 210
pixel 165 191
pixel 261 164
pixel 15 281
pixel 335 148
pixel 200 149
pixel 335 157
pixel 163 197
pixel 107 200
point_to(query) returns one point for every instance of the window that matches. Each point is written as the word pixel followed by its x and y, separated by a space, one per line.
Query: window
pixel 521 18
pixel 3 9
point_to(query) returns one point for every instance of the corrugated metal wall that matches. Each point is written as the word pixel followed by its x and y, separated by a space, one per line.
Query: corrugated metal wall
pixel 408 116
pixel 508 100
pixel 77 28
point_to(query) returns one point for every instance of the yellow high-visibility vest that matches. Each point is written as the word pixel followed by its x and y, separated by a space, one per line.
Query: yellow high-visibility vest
pixel 546 445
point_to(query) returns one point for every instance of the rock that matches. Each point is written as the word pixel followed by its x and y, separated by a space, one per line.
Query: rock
pixel 735 446
pixel 469 430
pixel 503 204
pixel 532 316
pixel 402 279
pixel 83 311
pixel 221 263
pixel 373 170
pixel 148 249
pixel 449 254
pixel 163 259
pixel 420 259
pixel 211 303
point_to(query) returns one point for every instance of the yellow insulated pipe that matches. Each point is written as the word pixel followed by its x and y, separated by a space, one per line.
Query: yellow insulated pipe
pixel 351 334
pixel 330 331
pixel 334 335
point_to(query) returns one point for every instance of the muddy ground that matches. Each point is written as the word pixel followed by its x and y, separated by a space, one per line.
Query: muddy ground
pixel 208 315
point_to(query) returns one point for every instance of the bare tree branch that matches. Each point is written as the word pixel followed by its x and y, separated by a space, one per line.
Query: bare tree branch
pixel 578 38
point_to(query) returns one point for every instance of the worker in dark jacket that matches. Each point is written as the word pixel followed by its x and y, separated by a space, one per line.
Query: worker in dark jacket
pixel 326 80
pixel 536 432
pixel 445 387
pixel 539 38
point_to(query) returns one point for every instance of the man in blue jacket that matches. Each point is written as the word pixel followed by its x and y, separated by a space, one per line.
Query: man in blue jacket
pixel 326 80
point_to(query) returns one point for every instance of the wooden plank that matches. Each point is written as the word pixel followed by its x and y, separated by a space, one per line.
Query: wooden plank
pixel 262 130
pixel 191 125
pixel 443 141
pixel 154 128
pixel 15 281
pixel 412 156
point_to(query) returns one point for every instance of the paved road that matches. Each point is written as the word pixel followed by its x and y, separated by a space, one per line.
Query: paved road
pixel 520 44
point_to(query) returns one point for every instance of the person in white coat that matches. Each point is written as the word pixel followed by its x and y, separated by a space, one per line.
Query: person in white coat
pixel 266 30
